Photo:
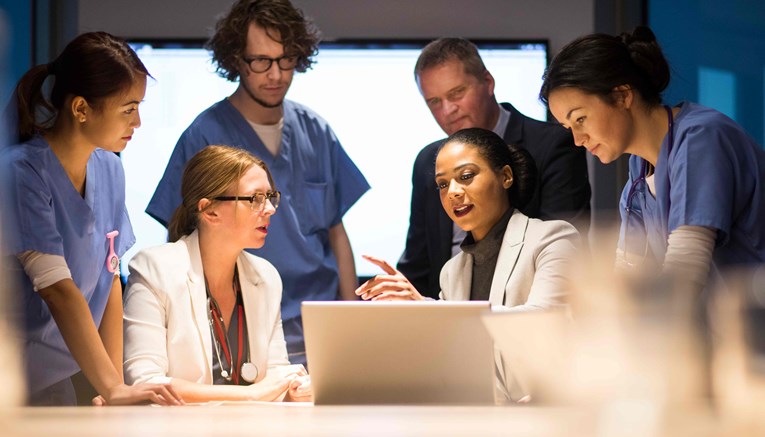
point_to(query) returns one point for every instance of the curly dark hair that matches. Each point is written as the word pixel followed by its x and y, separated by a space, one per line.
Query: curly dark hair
pixel 295 32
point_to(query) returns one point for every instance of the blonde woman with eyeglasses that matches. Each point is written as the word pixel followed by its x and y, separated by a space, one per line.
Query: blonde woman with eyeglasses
pixel 201 313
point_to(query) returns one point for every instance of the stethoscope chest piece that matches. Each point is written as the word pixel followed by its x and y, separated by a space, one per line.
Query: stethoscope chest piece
pixel 249 372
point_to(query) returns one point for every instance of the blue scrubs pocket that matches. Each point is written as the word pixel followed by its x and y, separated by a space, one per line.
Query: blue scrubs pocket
pixel 313 209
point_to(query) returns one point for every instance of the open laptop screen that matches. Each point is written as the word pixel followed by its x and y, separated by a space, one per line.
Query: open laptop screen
pixel 432 352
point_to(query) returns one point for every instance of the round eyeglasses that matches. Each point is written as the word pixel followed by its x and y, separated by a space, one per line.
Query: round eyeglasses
pixel 257 200
pixel 261 64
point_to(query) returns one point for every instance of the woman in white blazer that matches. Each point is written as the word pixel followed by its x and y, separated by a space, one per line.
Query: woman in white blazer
pixel 200 312
pixel 515 262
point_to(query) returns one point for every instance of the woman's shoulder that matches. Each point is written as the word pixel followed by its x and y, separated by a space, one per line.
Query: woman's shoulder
pixel 167 257
pixel 700 127
pixel 547 231
pixel 35 152
pixel 31 164
pixel 261 267
pixel 695 117
pixel 535 225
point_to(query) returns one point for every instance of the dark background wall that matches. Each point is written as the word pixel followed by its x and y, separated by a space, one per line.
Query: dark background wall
pixel 15 39
pixel 557 20
pixel 717 52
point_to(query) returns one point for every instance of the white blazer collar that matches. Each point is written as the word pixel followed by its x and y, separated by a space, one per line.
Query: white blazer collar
pixel 250 282
pixel 195 282
pixel 463 276
pixel 512 243
pixel 196 272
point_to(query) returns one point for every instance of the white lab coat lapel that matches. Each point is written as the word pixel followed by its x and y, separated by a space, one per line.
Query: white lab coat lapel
pixel 256 315
pixel 198 299
pixel 512 243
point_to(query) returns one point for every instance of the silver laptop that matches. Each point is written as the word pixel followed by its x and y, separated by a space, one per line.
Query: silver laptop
pixel 399 353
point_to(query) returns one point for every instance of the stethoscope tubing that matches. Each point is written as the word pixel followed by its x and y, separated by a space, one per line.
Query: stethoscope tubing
pixel 644 173
pixel 221 340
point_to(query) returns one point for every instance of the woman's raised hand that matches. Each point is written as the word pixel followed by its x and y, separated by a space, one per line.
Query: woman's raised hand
pixel 393 285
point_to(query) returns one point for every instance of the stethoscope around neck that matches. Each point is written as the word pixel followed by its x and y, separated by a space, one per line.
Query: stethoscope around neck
pixel 641 179
pixel 245 370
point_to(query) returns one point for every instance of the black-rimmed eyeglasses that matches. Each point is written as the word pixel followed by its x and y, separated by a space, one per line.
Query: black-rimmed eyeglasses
pixel 261 64
pixel 257 200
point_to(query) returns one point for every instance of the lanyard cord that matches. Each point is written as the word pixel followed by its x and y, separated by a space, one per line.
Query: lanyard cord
pixel 670 143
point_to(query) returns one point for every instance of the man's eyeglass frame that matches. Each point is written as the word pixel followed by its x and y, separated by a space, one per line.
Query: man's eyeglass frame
pixel 291 63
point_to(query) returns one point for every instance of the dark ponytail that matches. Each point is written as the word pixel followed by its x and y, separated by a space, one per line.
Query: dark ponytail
pixel 95 66
pixel 598 63
pixel 31 103
pixel 499 154
pixel 524 176
pixel 182 223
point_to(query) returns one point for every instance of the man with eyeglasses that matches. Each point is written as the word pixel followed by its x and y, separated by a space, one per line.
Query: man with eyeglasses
pixel 261 43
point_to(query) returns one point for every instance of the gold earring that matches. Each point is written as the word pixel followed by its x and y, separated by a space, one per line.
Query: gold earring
pixel 82 119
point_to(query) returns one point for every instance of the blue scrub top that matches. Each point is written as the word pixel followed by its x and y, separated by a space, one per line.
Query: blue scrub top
pixel 318 181
pixel 43 212
pixel 713 177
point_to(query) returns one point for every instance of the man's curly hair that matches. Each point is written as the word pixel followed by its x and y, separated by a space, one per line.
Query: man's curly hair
pixel 279 18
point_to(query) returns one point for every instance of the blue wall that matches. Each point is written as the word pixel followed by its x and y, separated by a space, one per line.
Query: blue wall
pixel 716 50
pixel 15 37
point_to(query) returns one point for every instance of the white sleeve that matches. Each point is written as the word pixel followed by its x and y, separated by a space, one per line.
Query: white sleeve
pixel 689 253
pixel 44 269
pixel 146 343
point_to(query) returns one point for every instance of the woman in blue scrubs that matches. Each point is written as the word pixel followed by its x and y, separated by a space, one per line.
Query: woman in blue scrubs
pixel 695 198
pixel 65 222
